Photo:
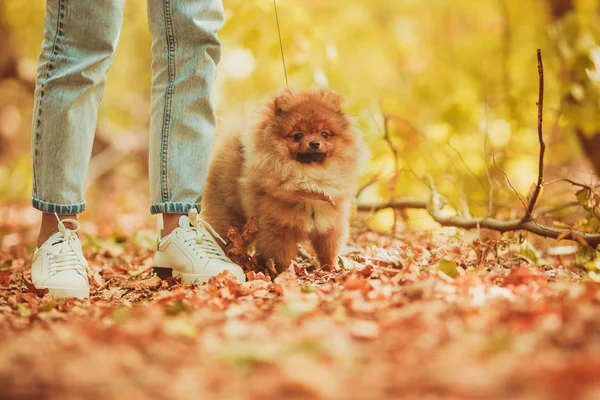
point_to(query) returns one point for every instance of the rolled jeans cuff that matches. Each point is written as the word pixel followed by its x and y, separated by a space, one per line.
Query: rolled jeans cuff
pixel 62 209
pixel 173 207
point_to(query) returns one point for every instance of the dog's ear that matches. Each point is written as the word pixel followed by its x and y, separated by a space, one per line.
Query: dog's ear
pixel 282 101
pixel 332 99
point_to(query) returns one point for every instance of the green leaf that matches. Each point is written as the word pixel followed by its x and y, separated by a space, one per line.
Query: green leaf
pixel 308 288
pixel 246 354
pixel 529 252
pixel 23 310
pixel 448 267
pixel 177 307
pixel 346 263
pixel 497 343
pixel 121 314
pixel 583 196
pixel 586 258
pixel 181 327
pixel 340 314
pixel 48 306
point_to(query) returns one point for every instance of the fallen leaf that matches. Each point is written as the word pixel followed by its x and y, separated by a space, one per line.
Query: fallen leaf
pixel 529 252
pixel 50 305
pixel 563 235
pixel 31 287
pixel 364 329
pixel 354 282
pixel 252 275
pixel 23 310
pixel 152 282
pixel 299 270
pixel 448 267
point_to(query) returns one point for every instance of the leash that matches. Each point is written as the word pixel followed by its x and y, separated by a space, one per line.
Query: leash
pixel 280 43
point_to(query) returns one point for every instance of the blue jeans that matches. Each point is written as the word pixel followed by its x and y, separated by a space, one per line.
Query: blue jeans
pixel 80 37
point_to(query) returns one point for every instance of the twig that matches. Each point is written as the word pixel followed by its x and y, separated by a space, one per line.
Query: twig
pixel 415 130
pixel 526 223
pixel 399 204
pixel 280 43
pixel 391 270
pixel 465 164
pixel 509 182
pixel 436 199
pixel 388 140
pixel 485 164
pixel 484 223
pixel 406 122
pixel 572 182
pixel 374 179
pixel 540 105
pixel 464 203
pixel 386 137
pixel 553 209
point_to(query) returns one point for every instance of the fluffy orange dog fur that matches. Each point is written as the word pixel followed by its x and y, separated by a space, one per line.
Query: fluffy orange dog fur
pixel 295 170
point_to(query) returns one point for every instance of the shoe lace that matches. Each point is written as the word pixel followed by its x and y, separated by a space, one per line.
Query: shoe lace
pixel 62 253
pixel 200 238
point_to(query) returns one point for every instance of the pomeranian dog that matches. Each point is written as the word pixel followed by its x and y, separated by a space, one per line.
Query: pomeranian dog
pixel 296 171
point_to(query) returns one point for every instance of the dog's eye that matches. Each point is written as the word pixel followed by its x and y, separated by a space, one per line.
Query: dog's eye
pixel 298 136
pixel 325 134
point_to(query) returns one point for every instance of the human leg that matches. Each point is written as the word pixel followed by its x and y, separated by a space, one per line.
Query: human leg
pixel 79 42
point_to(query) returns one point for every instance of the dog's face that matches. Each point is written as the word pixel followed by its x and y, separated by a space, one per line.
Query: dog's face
pixel 309 127
pixel 310 142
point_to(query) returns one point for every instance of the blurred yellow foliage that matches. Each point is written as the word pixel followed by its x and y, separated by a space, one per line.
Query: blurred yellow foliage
pixel 447 74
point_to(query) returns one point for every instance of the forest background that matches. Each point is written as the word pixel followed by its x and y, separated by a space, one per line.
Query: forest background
pixel 453 85
pixel 447 95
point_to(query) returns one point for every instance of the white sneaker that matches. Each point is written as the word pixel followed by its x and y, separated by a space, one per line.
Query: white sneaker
pixel 59 266
pixel 192 253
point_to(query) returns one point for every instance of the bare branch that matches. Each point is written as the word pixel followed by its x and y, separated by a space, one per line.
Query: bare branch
pixel 374 179
pixel 484 223
pixel 572 182
pixel 465 164
pixel 540 105
pixel 515 225
pixel 435 204
pixel 386 137
pixel 556 208
pixel 398 204
pixel 405 122
pixel 464 204
pixel 509 182
pixel 487 168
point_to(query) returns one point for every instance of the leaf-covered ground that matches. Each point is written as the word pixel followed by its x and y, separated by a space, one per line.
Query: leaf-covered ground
pixel 433 315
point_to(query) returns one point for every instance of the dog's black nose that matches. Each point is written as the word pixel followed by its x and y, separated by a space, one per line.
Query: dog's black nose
pixel 314 145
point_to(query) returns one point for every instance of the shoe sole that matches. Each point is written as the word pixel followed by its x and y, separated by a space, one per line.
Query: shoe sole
pixel 164 273
pixel 66 293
